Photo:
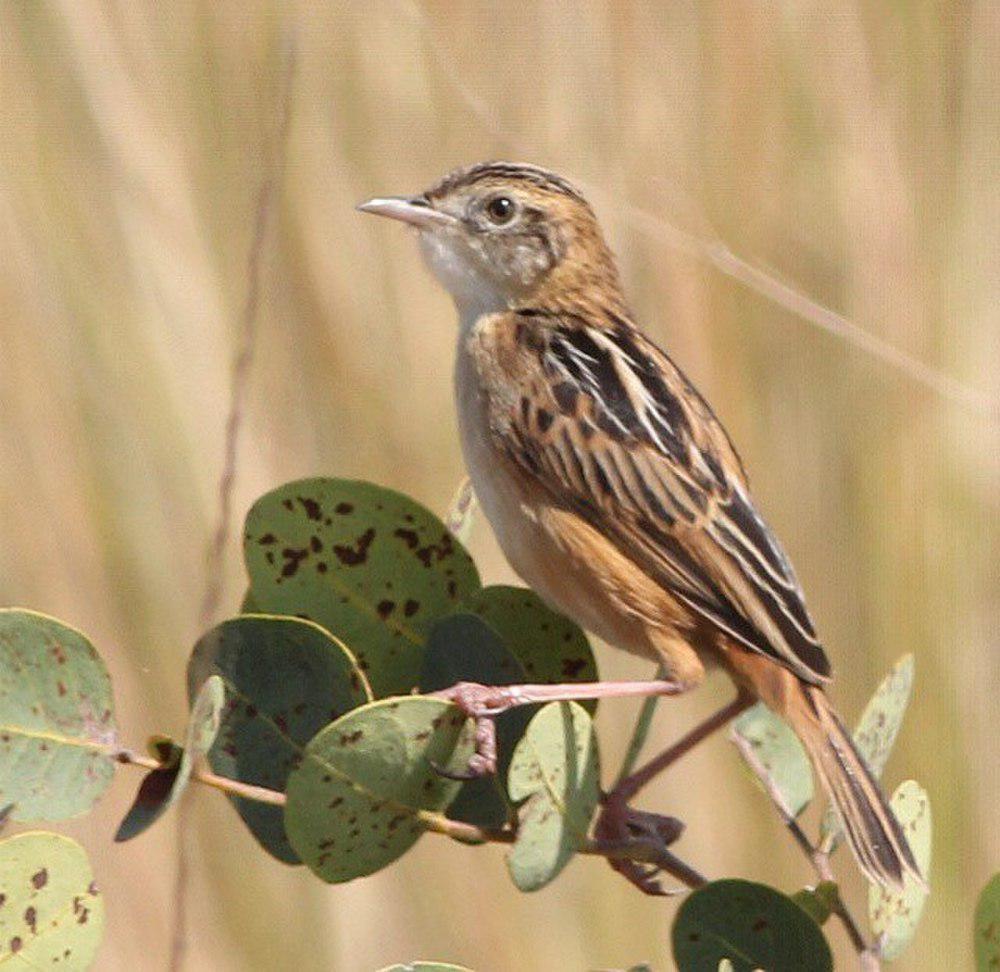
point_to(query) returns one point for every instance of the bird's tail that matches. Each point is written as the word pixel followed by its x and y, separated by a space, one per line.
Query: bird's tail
pixel 872 830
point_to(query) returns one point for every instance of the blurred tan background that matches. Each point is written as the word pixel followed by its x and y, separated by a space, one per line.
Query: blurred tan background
pixel 848 148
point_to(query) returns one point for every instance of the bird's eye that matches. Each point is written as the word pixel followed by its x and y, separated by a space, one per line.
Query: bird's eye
pixel 500 210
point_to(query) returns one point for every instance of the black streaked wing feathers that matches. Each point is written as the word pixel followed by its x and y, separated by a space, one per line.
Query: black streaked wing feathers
pixel 628 443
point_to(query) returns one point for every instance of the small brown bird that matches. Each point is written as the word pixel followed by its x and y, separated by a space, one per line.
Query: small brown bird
pixel 613 489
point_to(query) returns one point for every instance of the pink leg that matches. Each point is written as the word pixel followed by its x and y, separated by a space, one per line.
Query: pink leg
pixel 484 702
pixel 618 820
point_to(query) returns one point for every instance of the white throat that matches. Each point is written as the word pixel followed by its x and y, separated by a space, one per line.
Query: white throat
pixel 474 292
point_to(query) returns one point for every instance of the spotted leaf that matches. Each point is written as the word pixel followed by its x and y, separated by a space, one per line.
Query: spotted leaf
pixel 285 679
pixel 51 912
pixel 554 778
pixel 749 925
pixel 549 646
pixel 57 725
pixel 778 752
pixel 359 798
pixel 894 915
pixel 372 566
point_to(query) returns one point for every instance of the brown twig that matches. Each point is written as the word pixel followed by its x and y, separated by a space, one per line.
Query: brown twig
pixel 818 858
pixel 642 850
pixel 247 791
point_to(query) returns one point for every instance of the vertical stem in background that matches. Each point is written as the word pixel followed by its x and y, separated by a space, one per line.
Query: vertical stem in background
pixel 263 207
pixel 640 733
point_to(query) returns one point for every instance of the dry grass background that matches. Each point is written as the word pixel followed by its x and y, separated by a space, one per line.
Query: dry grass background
pixel 849 147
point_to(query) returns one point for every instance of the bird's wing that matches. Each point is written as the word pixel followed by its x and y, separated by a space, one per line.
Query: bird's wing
pixel 610 428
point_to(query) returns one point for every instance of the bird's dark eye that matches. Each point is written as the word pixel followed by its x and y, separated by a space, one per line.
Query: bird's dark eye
pixel 500 210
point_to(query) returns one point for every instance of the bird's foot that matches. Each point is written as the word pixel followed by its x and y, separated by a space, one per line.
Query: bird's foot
pixel 618 822
pixel 482 704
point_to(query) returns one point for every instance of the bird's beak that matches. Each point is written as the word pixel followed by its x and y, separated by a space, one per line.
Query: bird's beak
pixel 414 210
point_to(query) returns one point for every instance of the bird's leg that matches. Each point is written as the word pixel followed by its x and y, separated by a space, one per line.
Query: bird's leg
pixel 634 782
pixel 617 820
pixel 483 703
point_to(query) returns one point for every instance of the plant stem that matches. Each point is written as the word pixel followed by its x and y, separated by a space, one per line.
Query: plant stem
pixel 640 849
pixel 640 733
pixel 247 791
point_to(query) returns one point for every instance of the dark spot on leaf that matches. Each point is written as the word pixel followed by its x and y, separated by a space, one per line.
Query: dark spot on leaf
pixel 292 558
pixel 349 738
pixel 385 608
pixel 316 544
pixel 759 925
pixel 321 567
pixel 287 504
pixel 31 919
pixel 410 537
pixel 411 607
pixel 344 509
pixel 267 539
pixel 571 667
pixel 694 937
pixel 15 944
pixel 351 556
pixel 61 687
pixel 311 507
pixel 269 557
pixel 335 802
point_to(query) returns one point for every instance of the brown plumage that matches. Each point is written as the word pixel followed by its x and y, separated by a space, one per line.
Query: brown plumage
pixel 611 485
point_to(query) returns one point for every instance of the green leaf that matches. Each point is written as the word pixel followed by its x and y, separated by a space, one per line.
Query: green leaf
pixel 751 925
pixel 285 678
pixel 464 648
pixel 52 914
pixel 818 902
pixel 876 734
pixel 779 752
pixel 896 914
pixel 550 647
pixel 162 786
pixel 555 773
pixel 358 799
pixel 426 967
pixel 987 927
pixel 370 565
pixel 57 727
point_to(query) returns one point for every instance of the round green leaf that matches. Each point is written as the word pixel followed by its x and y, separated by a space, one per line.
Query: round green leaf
pixel 57 727
pixel 896 914
pixel 357 800
pixel 987 927
pixel 876 733
pixel 367 563
pixel 778 751
pixel 550 647
pixel 751 925
pixel 162 786
pixel 554 776
pixel 52 915
pixel 464 648
pixel 285 679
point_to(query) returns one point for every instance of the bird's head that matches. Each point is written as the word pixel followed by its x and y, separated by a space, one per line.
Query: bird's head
pixel 500 234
